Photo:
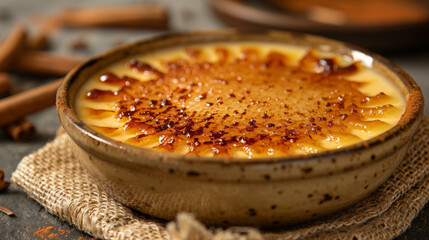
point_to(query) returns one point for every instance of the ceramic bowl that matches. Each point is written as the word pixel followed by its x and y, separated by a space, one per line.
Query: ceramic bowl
pixel 267 192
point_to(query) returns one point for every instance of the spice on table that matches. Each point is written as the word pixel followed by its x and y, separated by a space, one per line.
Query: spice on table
pixel 12 45
pixel 21 130
pixel 19 105
pixel 52 235
pixel 6 211
pixel 51 232
pixel 3 183
pixel 15 107
pixel 42 231
pixel 24 54
pixel 128 16
pixel 46 63
pixel 5 83
pixel 38 41
pixel 3 186
pixel 78 44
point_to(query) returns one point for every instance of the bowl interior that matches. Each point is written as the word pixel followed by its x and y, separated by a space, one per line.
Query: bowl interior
pixel 75 79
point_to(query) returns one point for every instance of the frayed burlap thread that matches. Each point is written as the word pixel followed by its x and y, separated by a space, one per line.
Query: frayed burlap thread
pixel 54 178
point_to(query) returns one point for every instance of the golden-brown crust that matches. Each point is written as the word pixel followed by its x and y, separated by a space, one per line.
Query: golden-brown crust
pixel 253 104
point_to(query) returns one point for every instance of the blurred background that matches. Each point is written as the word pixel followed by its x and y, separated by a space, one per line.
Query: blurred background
pixel 72 31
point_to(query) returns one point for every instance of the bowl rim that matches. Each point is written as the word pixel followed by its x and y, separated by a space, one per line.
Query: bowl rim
pixel 413 107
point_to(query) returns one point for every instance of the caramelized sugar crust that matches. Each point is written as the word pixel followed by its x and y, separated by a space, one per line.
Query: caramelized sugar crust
pixel 238 106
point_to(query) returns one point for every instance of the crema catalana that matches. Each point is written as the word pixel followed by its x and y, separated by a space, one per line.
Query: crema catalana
pixel 239 100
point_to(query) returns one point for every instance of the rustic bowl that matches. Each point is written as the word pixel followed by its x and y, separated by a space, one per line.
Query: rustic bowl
pixel 263 192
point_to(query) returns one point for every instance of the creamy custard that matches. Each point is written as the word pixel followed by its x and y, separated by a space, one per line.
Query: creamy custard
pixel 239 100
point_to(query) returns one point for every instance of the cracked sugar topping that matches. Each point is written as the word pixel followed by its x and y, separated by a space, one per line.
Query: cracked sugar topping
pixel 238 102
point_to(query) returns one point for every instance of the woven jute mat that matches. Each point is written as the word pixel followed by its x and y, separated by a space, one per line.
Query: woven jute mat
pixel 54 178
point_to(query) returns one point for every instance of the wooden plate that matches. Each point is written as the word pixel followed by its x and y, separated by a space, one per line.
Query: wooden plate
pixel 380 37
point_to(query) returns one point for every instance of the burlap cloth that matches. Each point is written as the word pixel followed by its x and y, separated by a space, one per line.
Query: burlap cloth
pixel 54 178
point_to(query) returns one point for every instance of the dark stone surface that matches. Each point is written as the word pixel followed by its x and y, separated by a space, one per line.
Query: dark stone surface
pixel 185 15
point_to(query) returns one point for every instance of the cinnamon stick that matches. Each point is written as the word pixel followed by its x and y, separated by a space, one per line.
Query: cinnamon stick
pixel 19 105
pixel 21 130
pixel 12 46
pixel 38 41
pixel 5 83
pixel 6 211
pixel 132 16
pixel 45 63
